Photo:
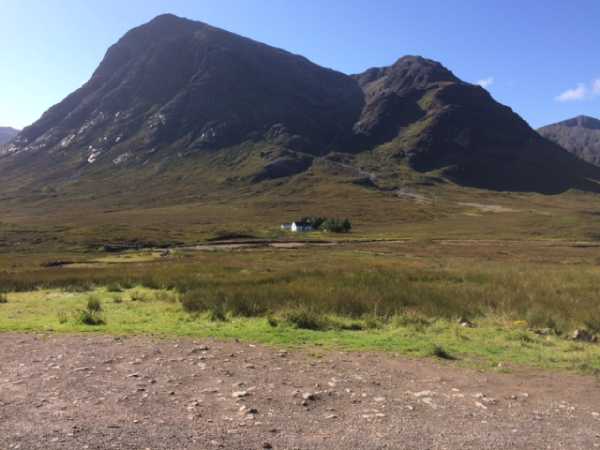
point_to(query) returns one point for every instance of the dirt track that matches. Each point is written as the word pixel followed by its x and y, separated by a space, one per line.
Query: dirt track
pixel 99 392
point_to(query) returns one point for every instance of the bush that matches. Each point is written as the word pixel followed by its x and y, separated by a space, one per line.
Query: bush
pixel 593 325
pixel 217 313
pixel 90 318
pixel 439 352
pixel 337 225
pixel 139 296
pixel 166 296
pixel 315 222
pixel 306 319
pixel 114 287
pixel 245 306
pixel 62 317
pixel 92 314
pixel 93 304
pixel 194 301
pixel 3 297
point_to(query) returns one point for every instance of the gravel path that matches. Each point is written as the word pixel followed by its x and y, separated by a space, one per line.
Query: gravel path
pixel 101 392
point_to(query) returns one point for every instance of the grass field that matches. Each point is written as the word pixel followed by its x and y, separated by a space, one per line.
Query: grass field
pixel 524 298
pixel 523 268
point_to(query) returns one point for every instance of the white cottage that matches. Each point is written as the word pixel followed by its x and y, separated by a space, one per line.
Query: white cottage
pixel 297 227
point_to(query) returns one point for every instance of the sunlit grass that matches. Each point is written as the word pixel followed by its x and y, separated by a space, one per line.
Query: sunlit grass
pixel 494 340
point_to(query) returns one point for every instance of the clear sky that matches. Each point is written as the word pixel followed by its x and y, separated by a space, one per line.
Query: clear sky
pixel 541 58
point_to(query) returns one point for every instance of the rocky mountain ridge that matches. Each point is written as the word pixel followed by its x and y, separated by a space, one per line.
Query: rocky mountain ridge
pixel 179 93
pixel 579 135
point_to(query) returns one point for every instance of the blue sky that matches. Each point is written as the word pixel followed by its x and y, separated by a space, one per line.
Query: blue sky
pixel 538 57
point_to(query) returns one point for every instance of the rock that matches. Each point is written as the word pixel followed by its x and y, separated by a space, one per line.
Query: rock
pixel 584 336
pixel 465 323
pixel 423 394
pixel 267 445
pixel 308 396
pixel 202 348
pixel 240 394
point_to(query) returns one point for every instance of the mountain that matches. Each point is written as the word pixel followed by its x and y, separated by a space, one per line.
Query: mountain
pixel 6 134
pixel 180 106
pixel 580 136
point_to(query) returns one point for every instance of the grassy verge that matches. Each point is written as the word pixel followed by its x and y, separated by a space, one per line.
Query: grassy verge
pixel 494 340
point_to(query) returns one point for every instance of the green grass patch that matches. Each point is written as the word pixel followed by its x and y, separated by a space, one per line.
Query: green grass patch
pixel 494 340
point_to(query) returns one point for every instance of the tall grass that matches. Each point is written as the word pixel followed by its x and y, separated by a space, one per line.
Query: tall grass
pixel 553 296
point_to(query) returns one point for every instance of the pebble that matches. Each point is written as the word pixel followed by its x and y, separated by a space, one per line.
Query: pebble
pixel 308 396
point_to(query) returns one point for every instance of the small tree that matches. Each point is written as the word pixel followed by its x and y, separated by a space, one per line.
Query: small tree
pixel 337 225
pixel 346 226
pixel 314 221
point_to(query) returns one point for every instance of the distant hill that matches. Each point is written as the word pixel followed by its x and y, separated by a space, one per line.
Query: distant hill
pixel 6 134
pixel 580 136
pixel 178 105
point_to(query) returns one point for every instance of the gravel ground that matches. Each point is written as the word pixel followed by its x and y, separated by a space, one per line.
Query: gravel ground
pixel 101 392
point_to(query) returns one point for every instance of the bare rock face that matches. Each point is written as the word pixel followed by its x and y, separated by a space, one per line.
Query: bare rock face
pixel 438 122
pixel 580 136
pixel 174 80
pixel 173 89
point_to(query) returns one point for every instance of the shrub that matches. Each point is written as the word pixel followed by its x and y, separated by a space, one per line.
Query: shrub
pixel 337 225
pixel 439 352
pixel 117 299
pixel 245 306
pixel 90 318
pixel 216 313
pixel 114 287
pixel 166 296
pixel 92 314
pixel 139 296
pixel 62 317
pixel 315 222
pixel 593 324
pixel 194 301
pixel 3 297
pixel 306 319
pixel 93 304
pixel 372 322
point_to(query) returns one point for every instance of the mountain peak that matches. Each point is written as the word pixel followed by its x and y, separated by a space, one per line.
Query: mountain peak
pixel 583 122
pixel 174 88
pixel 579 135
pixel 168 17
pixel 6 134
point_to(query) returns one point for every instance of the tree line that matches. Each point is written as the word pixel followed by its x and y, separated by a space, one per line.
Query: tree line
pixel 333 225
